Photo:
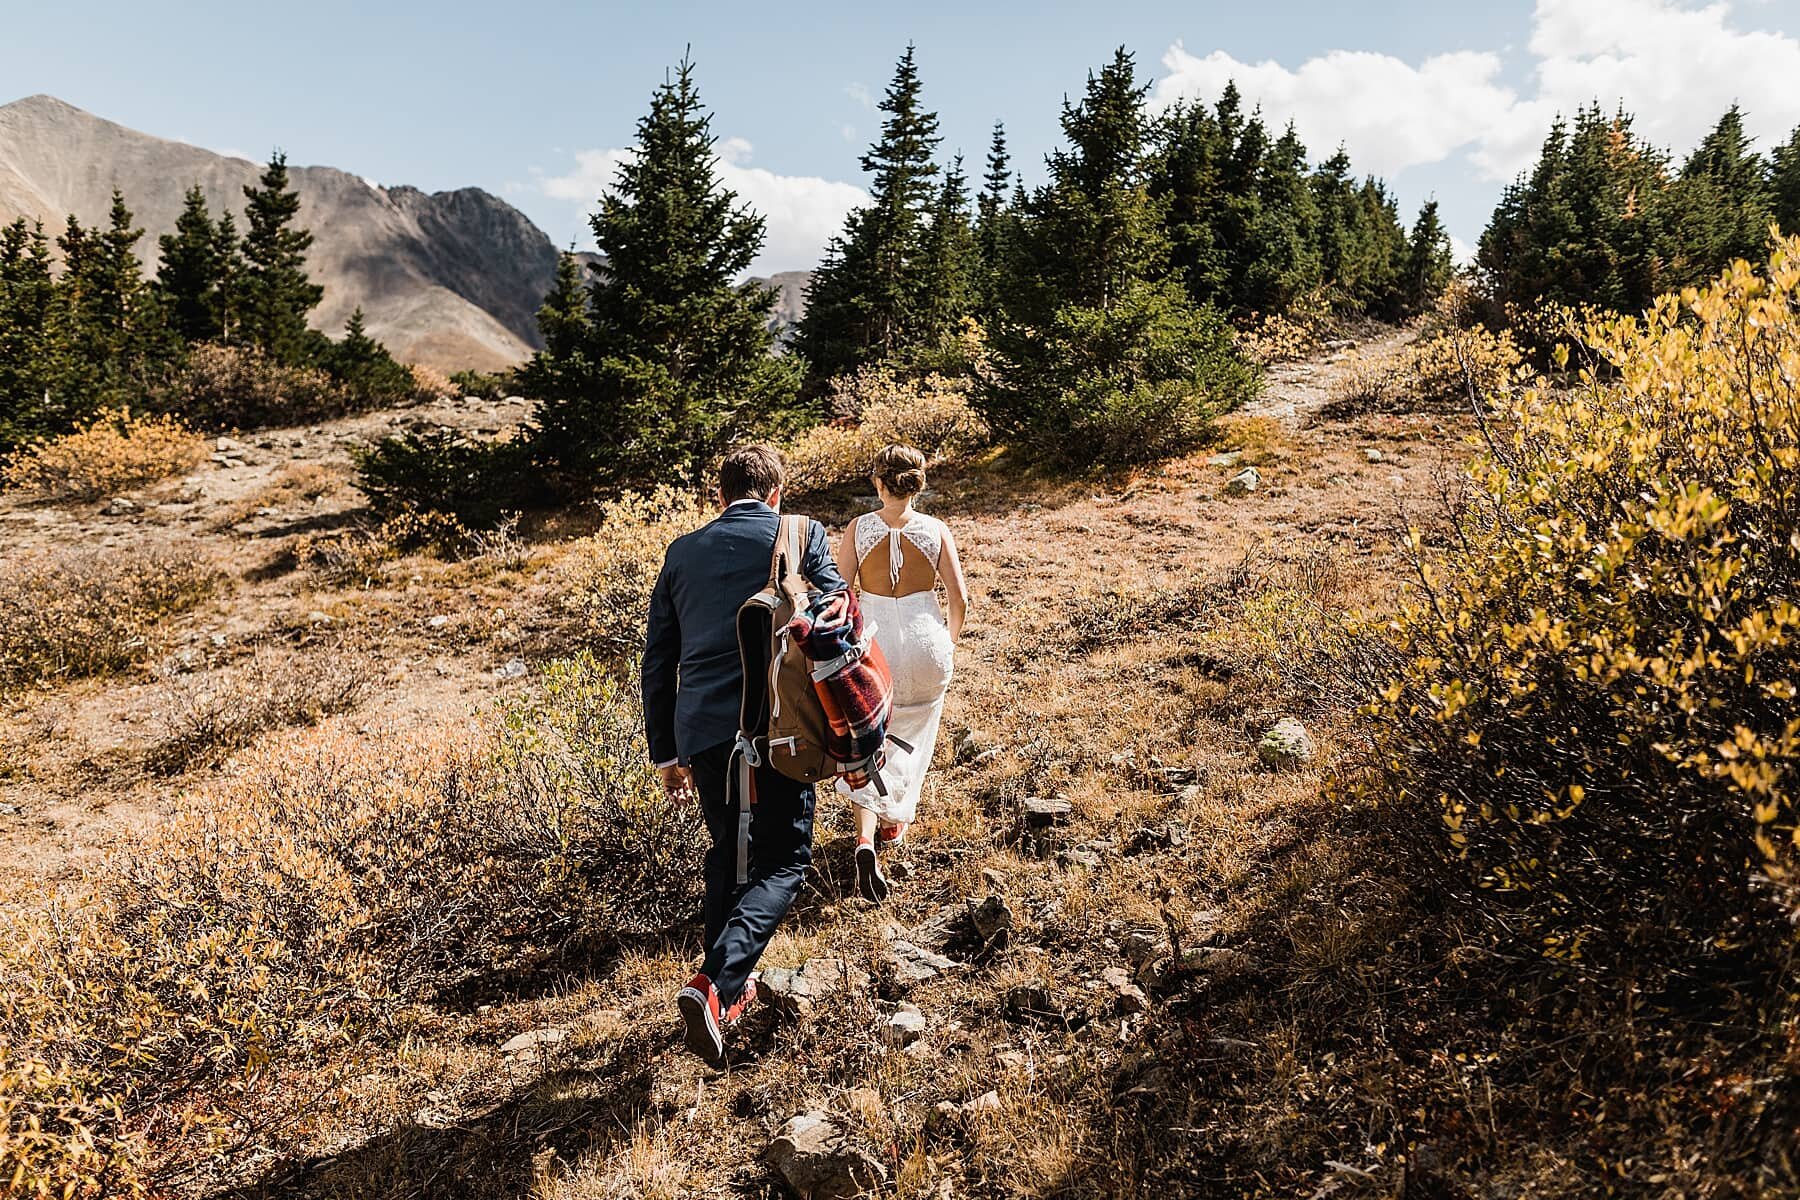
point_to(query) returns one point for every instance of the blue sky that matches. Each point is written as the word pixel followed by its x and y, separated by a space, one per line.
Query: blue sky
pixel 534 100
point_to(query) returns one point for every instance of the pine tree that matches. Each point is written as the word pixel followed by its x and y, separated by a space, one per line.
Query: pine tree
pixel 188 277
pixel 995 224
pixel 1282 261
pixel 1784 184
pixel 1100 358
pixel 1583 227
pixel 33 346
pixel 562 368
pixel 1428 259
pixel 951 265
pixel 1187 180
pixel 677 354
pixel 1719 208
pixel 275 294
pixel 868 298
pixel 228 290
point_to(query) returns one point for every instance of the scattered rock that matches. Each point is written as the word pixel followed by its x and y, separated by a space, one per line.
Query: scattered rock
pixel 1228 459
pixel 986 1102
pixel 1340 344
pixel 535 1041
pixel 514 669
pixel 915 964
pixel 9 810
pixel 996 882
pixel 1140 947
pixel 1372 454
pixel 438 622
pixel 1243 483
pixel 796 991
pixel 816 1158
pixel 1045 812
pixel 514 400
pixel 1032 1004
pixel 1079 856
pixel 1216 962
pixel 1167 836
pixel 1128 997
pixel 904 1027
pixel 315 617
pixel 991 916
pixel 1285 745
pixel 119 506
pixel 225 444
pixel 971 749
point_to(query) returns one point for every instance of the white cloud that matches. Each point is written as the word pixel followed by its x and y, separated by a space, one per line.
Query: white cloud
pixel 803 211
pixel 861 94
pixel 1675 66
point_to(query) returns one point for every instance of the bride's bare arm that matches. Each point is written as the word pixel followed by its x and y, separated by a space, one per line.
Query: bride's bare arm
pixel 956 589
pixel 846 554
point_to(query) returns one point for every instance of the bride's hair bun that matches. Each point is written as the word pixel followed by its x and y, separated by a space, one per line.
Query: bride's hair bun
pixel 901 470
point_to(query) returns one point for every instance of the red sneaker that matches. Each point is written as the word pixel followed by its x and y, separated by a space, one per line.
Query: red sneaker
pixel 699 1005
pixel 742 1004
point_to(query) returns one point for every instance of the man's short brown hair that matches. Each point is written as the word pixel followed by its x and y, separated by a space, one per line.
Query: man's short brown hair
pixel 750 471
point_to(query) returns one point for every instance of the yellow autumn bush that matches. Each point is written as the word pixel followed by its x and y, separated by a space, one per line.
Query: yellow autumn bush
pixel 931 413
pixel 1600 701
pixel 115 452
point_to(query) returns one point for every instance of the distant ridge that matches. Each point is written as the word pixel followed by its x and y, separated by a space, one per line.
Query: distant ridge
pixel 452 279
pixel 449 279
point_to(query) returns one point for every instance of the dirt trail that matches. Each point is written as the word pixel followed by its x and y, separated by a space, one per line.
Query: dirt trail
pixel 1296 390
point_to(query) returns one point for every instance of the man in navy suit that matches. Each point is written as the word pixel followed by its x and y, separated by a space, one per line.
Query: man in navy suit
pixel 693 681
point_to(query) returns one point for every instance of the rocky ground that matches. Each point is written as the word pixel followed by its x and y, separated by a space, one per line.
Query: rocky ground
pixel 1113 808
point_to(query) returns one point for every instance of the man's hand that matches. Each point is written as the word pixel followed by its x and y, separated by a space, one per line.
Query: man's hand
pixel 677 783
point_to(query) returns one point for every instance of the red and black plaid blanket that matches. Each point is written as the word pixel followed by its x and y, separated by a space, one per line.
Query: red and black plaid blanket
pixel 852 680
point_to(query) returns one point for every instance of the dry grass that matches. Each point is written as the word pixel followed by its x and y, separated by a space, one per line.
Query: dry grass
pixel 206 718
pixel 82 613
pixel 116 452
pixel 295 486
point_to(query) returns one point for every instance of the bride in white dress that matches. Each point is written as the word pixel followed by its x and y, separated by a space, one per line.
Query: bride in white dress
pixel 897 555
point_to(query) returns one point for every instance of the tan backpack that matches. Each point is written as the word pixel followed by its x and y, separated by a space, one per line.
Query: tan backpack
pixel 781 721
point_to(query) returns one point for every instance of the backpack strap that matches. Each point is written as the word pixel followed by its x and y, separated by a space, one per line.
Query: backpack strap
pixel 787 562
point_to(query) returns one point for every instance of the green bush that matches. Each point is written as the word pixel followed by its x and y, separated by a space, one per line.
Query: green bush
pixel 478 483
pixel 1118 386
pixel 1600 701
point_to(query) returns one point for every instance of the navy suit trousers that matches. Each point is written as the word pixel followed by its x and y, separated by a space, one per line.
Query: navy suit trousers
pixel 741 918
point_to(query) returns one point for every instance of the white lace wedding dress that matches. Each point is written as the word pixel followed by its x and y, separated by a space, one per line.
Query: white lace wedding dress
pixel 914 639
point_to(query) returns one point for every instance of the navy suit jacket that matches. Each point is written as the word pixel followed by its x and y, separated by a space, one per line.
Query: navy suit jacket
pixel 693 678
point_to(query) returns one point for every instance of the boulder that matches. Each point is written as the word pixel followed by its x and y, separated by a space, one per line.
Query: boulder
pixel 514 669
pixel 905 1027
pixel 535 1041
pixel 1228 459
pixel 991 916
pixel 1373 455
pixel 796 991
pixel 1045 812
pixel 119 506
pixel 819 1161
pixel 1244 482
pixel 914 964
pixel 1128 997
pixel 1286 745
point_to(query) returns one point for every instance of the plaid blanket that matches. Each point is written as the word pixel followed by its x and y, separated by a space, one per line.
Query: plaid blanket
pixel 852 680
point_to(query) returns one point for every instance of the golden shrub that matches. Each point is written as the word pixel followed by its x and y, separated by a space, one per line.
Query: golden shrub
pixel 931 413
pixel 114 453
pixel 1438 369
pixel 79 613
pixel 207 717
pixel 602 584
pixel 1600 701
pixel 1279 338
pixel 240 387
pixel 430 383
